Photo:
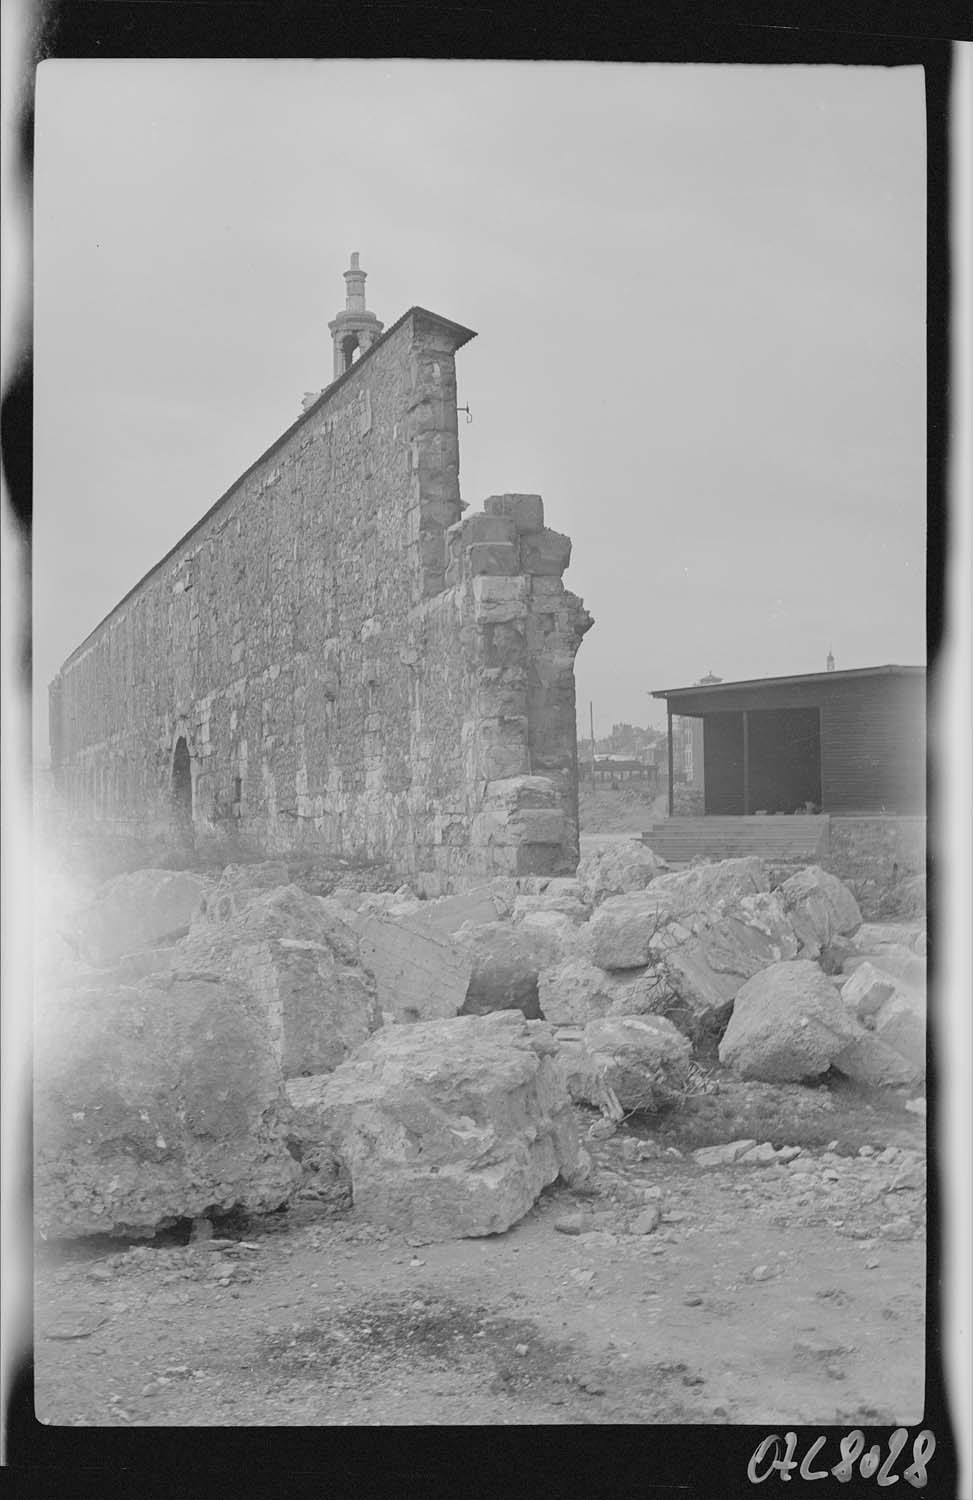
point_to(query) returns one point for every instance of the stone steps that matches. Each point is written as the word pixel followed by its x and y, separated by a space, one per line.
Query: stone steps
pixel 679 840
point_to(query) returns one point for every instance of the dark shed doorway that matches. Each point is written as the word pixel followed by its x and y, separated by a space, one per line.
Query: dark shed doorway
pixel 784 760
pixel 762 760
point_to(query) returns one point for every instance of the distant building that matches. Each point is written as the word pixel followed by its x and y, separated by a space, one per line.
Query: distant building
pixel 688 747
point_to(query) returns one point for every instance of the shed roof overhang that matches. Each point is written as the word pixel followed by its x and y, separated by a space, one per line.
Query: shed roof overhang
pixel 768 692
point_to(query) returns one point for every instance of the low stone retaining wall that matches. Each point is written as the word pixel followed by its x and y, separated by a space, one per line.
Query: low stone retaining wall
pixel 882 858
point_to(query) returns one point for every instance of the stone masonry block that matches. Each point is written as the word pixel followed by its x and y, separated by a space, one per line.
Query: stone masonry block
pixel 547 553
pixel 499 559
pixel 501 760
pixel 498 600
pixel 515 793
pixel 527 511
pixel 484 528
pixel 495 700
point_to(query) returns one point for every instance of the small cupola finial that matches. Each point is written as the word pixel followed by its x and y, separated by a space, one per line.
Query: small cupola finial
pixel 354 330
pixel 830 660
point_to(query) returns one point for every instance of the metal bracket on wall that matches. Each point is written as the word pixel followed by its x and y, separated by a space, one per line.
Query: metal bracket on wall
pixel 469 414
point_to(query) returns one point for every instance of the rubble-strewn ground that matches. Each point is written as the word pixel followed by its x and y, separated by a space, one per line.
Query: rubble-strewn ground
pixel 632 807
pixel 765 1294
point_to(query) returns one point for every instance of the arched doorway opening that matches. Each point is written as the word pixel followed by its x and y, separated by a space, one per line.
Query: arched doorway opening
pixel 182 782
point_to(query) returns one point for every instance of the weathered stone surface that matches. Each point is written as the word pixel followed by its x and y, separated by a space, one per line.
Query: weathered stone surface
pixel 866 991
pixel 134 911
pixel 505 962
pixel 892 1049
pixel 155 1102
pixel 546 553
pixel 871 1061
pixel 554 934
pixel 788 1023
pixel 643 1061
pixel 618 870
pixel 526 511
pixel 344 657
pixel 561 903
pixel 901 1023
pixel 724 1155
pixel 895 960
pixel 449 1129
pixel 701 966
pixel 575 992
pixel 619 935
pixel 708 887
pixel 299 954
pixel 446 915
pixel 421 975
pixel 626 930
pixel 821 909
pixel 872 935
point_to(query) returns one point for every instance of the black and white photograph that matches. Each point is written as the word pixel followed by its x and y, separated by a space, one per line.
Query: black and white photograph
pixel 481 752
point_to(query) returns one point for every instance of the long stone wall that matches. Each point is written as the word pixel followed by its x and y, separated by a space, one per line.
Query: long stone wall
pixel 350 664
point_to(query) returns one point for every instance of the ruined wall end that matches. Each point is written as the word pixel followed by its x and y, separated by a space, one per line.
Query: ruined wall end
pixel 337 660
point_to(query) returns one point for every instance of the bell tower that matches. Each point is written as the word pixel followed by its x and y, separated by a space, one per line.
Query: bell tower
pixel 355 327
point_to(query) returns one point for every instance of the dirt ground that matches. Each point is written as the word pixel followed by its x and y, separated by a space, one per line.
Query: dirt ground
pixel 631 809
pixel 763 1295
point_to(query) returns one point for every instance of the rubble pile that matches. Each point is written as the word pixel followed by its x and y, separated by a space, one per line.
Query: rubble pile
pixel 434 1047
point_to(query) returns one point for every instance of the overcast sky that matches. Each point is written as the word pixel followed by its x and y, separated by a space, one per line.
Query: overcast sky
pixel 699 299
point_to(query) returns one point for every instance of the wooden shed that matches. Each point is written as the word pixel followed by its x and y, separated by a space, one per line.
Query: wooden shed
pixel 831 742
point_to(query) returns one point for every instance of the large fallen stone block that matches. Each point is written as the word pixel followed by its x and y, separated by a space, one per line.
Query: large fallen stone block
pixel 617 870
pixel 274 911
pixel 789 1023
pixel 554 935
pixel 894 960
pixel 871 1061
pixel 155 1102
pixel 625 930
pixel 701 967
pixel 871 935
pixel 421 974
pixel 551 903
pixel 892 1047
pixel 447 915
pixel 300 955
pixel 506 961
pixel 637 1062
pixel 821 909
pixel 449 1129
pixel 620 934
pixel 901 1024
pixel 575 992
pixel 866 991
pixel 138 910
pixel 709 888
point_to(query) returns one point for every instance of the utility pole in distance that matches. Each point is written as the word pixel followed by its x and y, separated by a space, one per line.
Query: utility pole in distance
pixel 591 720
